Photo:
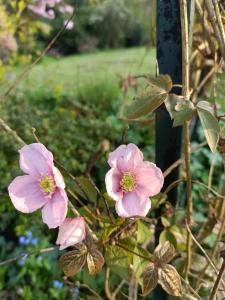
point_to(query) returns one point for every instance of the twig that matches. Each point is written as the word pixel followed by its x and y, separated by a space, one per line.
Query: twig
pixel 102 196
pixel 216 26
pixel 187 148
pixel 89 211
pixel 85 286
pixel 211 171
pixel 133 252
pixel 107 289
pixel 173 185
pixel 12 132
pixel 203 251
pixel 133 287
pixel 25 255
pixel 178 162
pixel 119 287
pixel 219 236
pixel 218 280
pixel 220 23
pixel 190 288
pixel 208 188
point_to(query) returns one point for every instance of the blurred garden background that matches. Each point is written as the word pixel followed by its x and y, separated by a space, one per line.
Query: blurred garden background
pixel 73 99
pixel 81 82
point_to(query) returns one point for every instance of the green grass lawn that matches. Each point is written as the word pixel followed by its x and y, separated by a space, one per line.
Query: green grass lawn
pixel 70 71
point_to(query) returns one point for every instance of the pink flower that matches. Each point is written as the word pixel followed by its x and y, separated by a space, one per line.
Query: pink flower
pixel 40 9
pixel 69 25
pixel 42 187
pixel 131 181
pixel 71 232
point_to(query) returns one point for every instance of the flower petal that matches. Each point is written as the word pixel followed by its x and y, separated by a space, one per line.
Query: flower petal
pixel 112 181
pixel 149 179
pixel 55 210
pixel 133 204
pixel 58 178
pixel 71 232
pixel 126 157
pixel 35 159
pixel 113 156
pixel 25 194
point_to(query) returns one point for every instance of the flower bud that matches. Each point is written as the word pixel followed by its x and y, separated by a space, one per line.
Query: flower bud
pixel 71 232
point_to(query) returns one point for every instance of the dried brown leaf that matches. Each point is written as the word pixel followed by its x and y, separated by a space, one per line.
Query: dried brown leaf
pixel 164 82
pixel 170 280
pixel 164 252
pixel 95 261
pixel 72 262
pixel 149 279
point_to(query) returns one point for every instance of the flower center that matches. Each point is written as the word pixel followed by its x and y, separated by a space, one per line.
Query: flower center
pixel 127 182
pixel 47 184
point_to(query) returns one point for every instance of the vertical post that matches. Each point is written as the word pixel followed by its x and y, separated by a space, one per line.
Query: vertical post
pixel 169 58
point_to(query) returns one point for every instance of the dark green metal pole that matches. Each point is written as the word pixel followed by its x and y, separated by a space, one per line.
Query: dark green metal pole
pixel 169 58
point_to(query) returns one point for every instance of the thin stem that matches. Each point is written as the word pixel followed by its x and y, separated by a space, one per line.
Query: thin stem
pixel 8 129
pixel 133 287
pixel 133 252
pixel 215 21
pixel 220 234
pixel 119 287
pixel 102 196
pixel 211 171
pixel 190 288
pixel 115 235
pixel 203 251
pixel 25 255
pixel 187 147
pixel 178 162
pixel 107 288
pixel 220 196
pixel 217 282
pixel 90 212
pixel 72 177
pixel 189 195
pixel 85 286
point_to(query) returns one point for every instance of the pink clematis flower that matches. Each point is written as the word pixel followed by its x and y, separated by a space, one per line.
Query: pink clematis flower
pixel 131 181
pixel 42 187
pixel 71 232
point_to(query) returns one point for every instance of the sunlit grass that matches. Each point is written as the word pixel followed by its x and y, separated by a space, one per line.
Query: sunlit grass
pixel 71 71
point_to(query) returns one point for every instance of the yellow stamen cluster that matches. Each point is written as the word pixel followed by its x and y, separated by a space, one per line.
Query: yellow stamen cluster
pixel 47 184
pixel 127 182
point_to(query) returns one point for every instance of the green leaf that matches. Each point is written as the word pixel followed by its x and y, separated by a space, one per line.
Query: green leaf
pixel 158 200
pixel 85 189
pixel 165 222
pixel 72 262
pixel 144 233
pixel 180 235
pixel 180 110
pixel 95 261
pixel 149 279
pixel 151 98
pixel 209 123
pixel 170 281
pixel 118 260
pixel 139 263
pixel 167 235
pixel 111 228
